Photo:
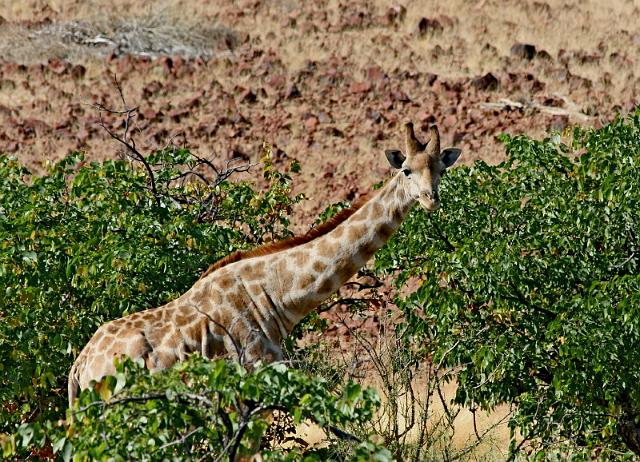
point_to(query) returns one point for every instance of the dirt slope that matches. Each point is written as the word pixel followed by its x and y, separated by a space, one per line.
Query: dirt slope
pixel 324 82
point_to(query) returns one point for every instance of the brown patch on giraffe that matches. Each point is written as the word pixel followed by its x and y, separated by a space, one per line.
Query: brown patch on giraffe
pixel 386 230
pixel 172 339
pixel 397 215
pixel 255 289
pixel 291 242
pixel 305 281
pixel 255 271
pixel 319 267
pixel 205 299
pixel 367 250
pixel 225 283
pixel 337 233
pixel 327 286
pixel 328 249
pixel 181 318
pixel 236 300
pixel 194 332
pixel 223 317
pixel 356 232
pixel 299 257
pixel 375 211
pixel 147 315
pixel 284 276
pixel 259 266
pixel 346 271
pixel 103 343
pixel 112 327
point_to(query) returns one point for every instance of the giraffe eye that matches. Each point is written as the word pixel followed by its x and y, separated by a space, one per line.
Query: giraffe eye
pixel 406 172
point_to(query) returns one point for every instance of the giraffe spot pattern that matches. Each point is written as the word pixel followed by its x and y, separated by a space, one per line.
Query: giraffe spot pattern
pixel 252 302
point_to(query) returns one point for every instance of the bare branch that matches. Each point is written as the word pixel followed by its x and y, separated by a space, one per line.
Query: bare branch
pixel 180 440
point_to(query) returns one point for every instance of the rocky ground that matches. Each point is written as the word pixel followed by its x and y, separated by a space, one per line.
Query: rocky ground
pixel 325 82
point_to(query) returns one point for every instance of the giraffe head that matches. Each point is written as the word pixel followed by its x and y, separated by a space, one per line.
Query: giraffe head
pixel 423 165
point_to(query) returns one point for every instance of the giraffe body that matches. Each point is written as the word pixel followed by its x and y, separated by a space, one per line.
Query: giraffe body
pixel 247 305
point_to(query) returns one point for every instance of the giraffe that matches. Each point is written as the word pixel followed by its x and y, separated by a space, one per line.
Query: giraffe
pixel 244 305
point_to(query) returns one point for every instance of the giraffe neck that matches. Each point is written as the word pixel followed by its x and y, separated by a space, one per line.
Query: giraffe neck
pixel 322 266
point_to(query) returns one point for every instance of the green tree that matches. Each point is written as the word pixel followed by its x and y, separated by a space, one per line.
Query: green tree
pixel 198 409
pixel 88 242
pixel 530 287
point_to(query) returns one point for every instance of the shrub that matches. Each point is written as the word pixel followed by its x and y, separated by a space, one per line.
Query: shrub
pixel 530 287
pixel 89 242
pixel 198 409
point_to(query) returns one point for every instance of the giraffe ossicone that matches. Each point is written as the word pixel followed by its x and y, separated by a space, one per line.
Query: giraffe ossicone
pixel 248 302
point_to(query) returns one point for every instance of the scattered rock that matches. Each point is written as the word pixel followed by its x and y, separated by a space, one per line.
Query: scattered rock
pixel 487 82
pixel 430 78
pixel 277 81
pixel 12 146
pixel 399 95
pixel 333 131
pixel 247 96
pixel 82 135
pixel 543 55
pixel 395 14
pixel 428 26
pixel 311 122
pixel 151 89
pixel 375 73
pixel 559 123
pixel 292 91
pixel 553 101
pixel 178 114
pixel 323 117
pixel 149 114
pixel 78 71
pixel 360 87
pixel 458 137
pixel 523 51
pixel 58 66
pixel 236 153
pixel 373 115
pixel 576 82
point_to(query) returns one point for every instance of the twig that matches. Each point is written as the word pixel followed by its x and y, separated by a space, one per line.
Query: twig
pixel 179 440
pixel 443 237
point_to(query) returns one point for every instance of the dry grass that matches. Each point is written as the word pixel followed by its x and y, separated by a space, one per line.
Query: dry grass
pixel 81 40
pixel 417 419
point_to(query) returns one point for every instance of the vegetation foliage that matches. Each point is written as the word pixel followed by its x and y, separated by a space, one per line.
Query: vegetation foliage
pixel 529 289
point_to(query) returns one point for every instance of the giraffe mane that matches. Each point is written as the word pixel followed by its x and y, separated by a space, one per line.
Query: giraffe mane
pixel 288 243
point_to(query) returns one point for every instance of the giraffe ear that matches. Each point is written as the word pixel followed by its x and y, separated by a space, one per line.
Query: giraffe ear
pixel 395 157
pixel 449 156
